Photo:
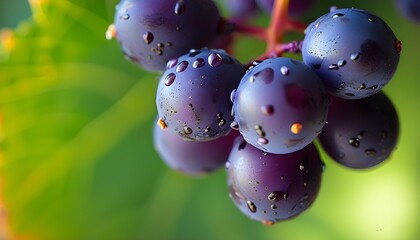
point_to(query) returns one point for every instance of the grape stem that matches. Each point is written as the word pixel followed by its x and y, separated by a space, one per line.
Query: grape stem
pixel 273 35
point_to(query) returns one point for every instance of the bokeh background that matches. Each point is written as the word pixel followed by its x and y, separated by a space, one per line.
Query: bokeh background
pixel 77 159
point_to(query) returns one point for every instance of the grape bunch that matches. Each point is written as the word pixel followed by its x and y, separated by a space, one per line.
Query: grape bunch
pixel 264 120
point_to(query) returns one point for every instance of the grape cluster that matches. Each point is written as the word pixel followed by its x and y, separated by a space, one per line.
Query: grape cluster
pixel 265 119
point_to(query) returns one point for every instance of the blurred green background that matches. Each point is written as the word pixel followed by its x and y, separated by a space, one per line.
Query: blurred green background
pixel 77 159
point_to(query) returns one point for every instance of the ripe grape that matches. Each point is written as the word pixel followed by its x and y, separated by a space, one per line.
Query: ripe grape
pixel 191 157
pixel 360 133
pixel 354 52
pixel 273 187
pixel 280 105
pixel 193 95
pixel 153 32
pixel 409 9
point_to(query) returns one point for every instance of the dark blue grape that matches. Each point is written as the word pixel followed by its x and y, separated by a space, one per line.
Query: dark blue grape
pixel 410 9
pixel 296 7
pixel 280 105
pixel 353 51
pixel 361 133
pixel 191 157
pixel 273 187
pixel 241 8
pixel 193 96
pixel 152 32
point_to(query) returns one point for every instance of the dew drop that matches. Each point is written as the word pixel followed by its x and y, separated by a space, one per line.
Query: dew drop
pixel 370 152
pixel 361 87
pixel 354 56
pixel 215 60
pixel 274 196
pixel 125 16
pixel 355 142
pixel 333 67
pixel 267 109
pixel 194 52
pixel 234 126
pixel 284 70
pixel 169 79
pixel 222 122
pixel 262 141
pixel 301 167
pixel 232 95
pixel 317 66
pixel 187 130
pixel 342 85
pixel 207 130
pixel 341 63
pixel 182 66
pixel 198 63
pixel 179 7
pixel 171 63
pixel 296 128
pixel 251 206
pixel 227 165
pixel 110 32
pixel 266 75
pixel 337 15
pixel 148 37
pixel 273 206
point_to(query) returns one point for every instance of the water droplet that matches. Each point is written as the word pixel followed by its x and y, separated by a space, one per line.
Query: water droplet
pixel 198 63
pixel 234 126
pixel 171 63
pixel 182 66
pixel 187 130
pixel 273 207
pixel 207 130
pixel 262 141
pixel 337 15
pixel 227 165
pixel 232 95
pixel 251 206
pixel 266 75
pixel 361 87
pixel 370 152
pixel 301 167
pixel 222 122
pixel 296 128
pixel 215 60
pixel 194 52
pixel 355 142
pixel 274 196
pixel 219 115
pixel 148 37
pixel 373 87
pixel 341 63
pixel 284 70
pixel 110 32
pixel 333 67
pixel 342 85
pixel 267 109
pixel 252 79
pixel 169 44
pixel 169 79
pixel 179 7
pixel 317 66
pixel 354 56
pixel 398 46
pixel 371 19
pixel 162 123
pixel 125 16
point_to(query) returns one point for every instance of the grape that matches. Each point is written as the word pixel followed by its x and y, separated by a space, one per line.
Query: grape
pixel 353 51
pixel 241 8
pixel 273 187
pixel 152 32
pixel 409 9
pixel 193 95
pixel 296 7
pixel 280 105
pixel 191 157
pixel 360 133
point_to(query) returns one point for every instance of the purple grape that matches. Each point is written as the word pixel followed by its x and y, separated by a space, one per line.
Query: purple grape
pixel 360 133
pixel 296 7
pixel 241 8
pixel 410 9
pixel 280 105
pixel 153 32
pixel 190 157
pixel 353 51
pixel 273 187
pixel 193 96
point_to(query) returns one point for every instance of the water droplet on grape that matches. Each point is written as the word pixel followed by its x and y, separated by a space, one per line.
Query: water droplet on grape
pixel 284 70
pixel 267 109
pixel 355 142
pixel 234 126
pixel 354 56
pixel 370 152
pixel 333 67
pixel 232 95
pixel 125 16
pixel 187 130
pixel 275 196
pixel 337 15
pixel 222 122
pixel 251 206
pixel 273 206
pixel 198 63
pixel 179 7
pixel 341 63
pixel 296 128
pixel 182 66
pixel 361 87
pixel 301 167
pixel 169 79
pixel 215 60
pixel 262 140
pixel 266 75
pixel 171 63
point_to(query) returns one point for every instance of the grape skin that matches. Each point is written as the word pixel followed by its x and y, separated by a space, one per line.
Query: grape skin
pixel 361 133
pixel 193 95
pixel 153 32
pixel 273 187
pixel 280 105
pixel 190 157
pixel 353 51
